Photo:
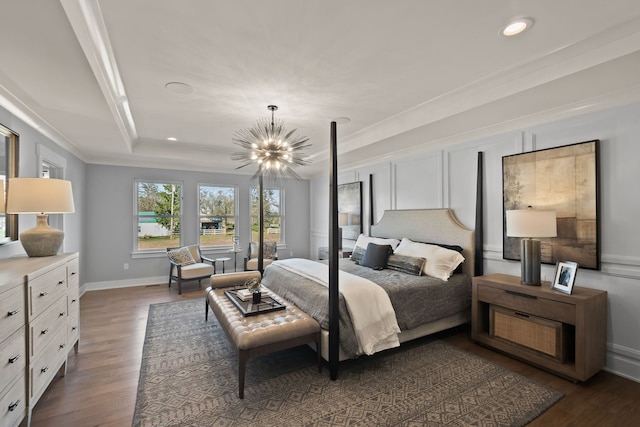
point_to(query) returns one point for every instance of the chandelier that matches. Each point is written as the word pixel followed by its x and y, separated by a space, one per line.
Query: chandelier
pixel 272 147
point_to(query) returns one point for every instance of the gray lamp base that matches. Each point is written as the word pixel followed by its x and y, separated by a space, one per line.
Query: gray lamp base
pixel 530 262
pixel 42 240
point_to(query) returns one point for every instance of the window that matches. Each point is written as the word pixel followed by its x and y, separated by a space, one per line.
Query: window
pixel 158 212
pixel 217 215
pixel 273 214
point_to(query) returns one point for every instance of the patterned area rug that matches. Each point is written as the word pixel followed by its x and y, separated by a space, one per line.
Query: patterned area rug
pixel 189 378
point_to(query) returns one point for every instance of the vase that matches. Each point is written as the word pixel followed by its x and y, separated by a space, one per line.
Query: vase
pixel 257 297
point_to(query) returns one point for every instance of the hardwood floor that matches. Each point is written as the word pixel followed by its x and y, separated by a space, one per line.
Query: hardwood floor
pixel 101 382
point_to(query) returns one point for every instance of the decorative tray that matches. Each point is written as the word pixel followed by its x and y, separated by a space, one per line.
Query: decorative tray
pixel 248 308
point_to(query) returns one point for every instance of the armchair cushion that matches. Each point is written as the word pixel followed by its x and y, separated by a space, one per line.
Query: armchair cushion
pixel 196 270
pixel 181 256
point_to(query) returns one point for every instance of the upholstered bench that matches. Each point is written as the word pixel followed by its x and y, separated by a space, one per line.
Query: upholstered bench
pixel 262 333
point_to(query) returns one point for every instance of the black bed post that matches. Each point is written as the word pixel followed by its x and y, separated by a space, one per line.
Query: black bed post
pixel 334 329
pixel 370 202
pixel 479 234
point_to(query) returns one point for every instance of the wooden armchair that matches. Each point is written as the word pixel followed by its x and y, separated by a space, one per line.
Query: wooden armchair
pixel 270 254
pixel 187 263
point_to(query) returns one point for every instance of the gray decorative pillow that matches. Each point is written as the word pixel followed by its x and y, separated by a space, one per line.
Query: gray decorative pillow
pixel 357 254
pixel 406 264
pixel 376 256
pixel 181 256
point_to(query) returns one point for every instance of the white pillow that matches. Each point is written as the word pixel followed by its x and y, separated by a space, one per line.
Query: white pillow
pixel 363 241
pixel 440 261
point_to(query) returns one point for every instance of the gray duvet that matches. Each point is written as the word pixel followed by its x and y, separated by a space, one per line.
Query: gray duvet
pixel 417 300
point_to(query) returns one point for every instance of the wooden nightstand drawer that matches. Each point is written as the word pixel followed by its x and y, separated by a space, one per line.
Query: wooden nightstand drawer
pixel 13 404
pixel 546 336
pixel 522 301
pixel 12 358
pixel 48 324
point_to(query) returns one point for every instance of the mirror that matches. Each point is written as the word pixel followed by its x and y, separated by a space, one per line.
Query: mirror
pixel 9 152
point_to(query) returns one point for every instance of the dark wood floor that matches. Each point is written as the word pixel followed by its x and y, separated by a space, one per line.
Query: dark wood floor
pixel 101 382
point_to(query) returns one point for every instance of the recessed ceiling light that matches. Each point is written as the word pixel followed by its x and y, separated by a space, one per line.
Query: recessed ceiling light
pixel 172 138
pixel 517 26
pixel 178 87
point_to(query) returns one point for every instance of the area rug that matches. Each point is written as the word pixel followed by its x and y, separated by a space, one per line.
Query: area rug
pixel 189 377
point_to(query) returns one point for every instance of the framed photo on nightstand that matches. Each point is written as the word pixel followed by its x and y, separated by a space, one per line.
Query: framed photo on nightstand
pixel 565 276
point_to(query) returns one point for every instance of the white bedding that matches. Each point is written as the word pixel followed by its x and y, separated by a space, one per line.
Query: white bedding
pixel 369 306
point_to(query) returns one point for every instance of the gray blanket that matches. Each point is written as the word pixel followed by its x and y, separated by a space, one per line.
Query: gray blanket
pixel 417 300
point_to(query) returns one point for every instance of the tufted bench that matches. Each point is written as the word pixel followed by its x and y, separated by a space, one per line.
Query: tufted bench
pixel 261 334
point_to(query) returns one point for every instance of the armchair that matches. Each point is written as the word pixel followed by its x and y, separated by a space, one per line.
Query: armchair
pixel 270 254
pixel 187 263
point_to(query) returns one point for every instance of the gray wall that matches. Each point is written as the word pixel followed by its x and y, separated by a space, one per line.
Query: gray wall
pixel 447 178
pixel 109 227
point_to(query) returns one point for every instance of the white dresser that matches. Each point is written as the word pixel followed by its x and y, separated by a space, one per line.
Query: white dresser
pixel 40 301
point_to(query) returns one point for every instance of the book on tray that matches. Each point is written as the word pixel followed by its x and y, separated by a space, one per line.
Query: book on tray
pixel 246 294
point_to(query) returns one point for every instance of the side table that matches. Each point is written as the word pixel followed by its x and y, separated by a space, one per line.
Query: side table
pixel 222 260
pixel 235 253
pixel 565 334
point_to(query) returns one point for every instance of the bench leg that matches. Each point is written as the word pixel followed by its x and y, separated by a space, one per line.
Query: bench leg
pixel 206 309
pixel 318 352
pixel 242 363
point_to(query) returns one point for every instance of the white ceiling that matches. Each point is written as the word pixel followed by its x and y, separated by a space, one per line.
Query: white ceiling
pixel 91 74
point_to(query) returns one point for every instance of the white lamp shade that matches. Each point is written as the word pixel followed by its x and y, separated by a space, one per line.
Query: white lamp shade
pixel 39 195
pixel 531 223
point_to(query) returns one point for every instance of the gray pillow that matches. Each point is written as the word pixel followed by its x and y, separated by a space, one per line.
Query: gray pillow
pixel 406 264
pixel 376 256
pixel 357 254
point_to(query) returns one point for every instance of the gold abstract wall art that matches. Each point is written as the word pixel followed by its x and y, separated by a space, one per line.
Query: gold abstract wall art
pixel 564 179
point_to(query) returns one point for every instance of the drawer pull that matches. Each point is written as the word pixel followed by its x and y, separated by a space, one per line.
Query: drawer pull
pixel 44 331
pixel 45 369
pixel 60 282
pixel 61 314
pixel 14 358
pixel 61 345
pixel 73 300
pixel 73 328
pixel 73 273
pixel 518 294
pixel 14 405
pixel 44 294
pixel 12 312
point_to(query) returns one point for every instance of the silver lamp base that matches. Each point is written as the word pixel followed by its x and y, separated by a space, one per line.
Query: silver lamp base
pixel 530 262
pixel 42 240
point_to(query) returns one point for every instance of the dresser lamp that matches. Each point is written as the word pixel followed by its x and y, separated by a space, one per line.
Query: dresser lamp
pixel 40 196
pixel 530 224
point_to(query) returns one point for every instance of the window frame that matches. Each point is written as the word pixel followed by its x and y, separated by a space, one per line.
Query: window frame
pixel 137 216
pixel 236 214
pixel 282 218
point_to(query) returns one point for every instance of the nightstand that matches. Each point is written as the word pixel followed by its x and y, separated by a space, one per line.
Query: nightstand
pixel 323 252
pixel 565 334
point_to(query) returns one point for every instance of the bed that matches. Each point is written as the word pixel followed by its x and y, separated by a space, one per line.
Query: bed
pixel 422 305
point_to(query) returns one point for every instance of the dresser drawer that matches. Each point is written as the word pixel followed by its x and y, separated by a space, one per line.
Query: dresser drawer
pixel 73 333
pixel 48 324
pixel 73 279
pixel 46 364
pixel 515 300
pixel 13 404
pixel 12 315
pixel 45 289
pixel 12 358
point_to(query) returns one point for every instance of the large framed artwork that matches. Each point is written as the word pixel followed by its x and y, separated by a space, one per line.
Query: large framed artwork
pixel 564 179
pixel 350 209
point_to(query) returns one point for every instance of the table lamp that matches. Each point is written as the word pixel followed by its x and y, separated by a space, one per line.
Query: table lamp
pixel 40 196
pixel 529 224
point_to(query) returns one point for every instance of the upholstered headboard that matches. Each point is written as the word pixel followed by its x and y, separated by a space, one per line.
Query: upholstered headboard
pixel 431 226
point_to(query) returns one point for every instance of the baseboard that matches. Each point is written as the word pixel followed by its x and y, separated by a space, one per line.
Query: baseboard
pixel 623 361
pixel 128 283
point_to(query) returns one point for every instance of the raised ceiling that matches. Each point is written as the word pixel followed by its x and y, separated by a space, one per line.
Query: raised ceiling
pixel 92 75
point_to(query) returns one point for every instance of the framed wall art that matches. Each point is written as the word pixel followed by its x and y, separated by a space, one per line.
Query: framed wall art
pixel 564 179
pixel 350 209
